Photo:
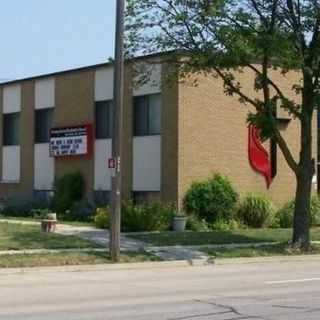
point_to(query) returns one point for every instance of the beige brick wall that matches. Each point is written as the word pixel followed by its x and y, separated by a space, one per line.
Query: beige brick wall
pixel 75 106
pixel 213 137
pixel 24 189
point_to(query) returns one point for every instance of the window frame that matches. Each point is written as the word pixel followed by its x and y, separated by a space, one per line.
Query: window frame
pixel 109 105
pixel 42 141
pixel 147 132
pixel 5 132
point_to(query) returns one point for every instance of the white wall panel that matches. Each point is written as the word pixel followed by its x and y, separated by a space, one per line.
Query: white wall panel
pixel 43 167
pixel 12 99
pixel 153 85
pixel 147 163
pixel 11 164
pixel 104 84
pixel 102 175
pixel 45 93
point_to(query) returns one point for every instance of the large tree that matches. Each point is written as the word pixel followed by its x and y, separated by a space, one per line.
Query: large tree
pixel 225 37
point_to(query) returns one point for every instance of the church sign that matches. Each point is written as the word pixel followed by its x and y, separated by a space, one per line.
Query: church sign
pixel 71 141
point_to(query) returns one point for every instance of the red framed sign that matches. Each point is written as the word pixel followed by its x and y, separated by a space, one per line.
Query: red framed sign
pixel 71 141
pixel 111 163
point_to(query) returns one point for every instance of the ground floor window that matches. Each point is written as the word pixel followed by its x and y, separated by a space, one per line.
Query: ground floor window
pixel 102 197
pixel 43 195
pixel 145 196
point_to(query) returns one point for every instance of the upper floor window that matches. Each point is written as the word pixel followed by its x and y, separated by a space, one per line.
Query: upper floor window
pixel 103 114
pixel 147 115
pixel 43 124
pixel 11 130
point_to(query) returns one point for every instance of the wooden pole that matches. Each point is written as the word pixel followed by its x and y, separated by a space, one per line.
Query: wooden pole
pixel 117 132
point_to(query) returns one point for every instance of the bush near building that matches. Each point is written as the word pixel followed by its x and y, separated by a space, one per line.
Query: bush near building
pixel 255 211
pixel 69 189
pixel 284 216
pixel 146 217
pixel 212 200
pixel 102 218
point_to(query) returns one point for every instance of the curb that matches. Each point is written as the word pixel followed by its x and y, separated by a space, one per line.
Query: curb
pixel 109 267
pixel 259 260
pixel 161 265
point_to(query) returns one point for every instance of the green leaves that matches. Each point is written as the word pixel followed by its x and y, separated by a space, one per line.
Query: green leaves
pixel 224 38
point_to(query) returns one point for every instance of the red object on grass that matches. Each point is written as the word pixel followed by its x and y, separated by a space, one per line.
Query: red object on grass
pixel 259 156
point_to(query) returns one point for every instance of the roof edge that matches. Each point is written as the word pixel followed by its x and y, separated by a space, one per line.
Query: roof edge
pixel 84 68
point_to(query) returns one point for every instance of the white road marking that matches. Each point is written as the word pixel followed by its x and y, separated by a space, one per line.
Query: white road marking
pixel 293 281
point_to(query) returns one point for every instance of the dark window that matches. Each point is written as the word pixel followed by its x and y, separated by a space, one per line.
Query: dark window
pixel 43 125
pixel 140 197
pixel 11 129
pixel 102 198
pixel 103 119
pixel 147 115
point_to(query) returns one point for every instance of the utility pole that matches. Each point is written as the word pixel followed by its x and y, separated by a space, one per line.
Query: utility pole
pixel 117 132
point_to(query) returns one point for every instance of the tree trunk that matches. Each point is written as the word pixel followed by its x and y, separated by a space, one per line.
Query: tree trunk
pixel 301 222
pixel 304 175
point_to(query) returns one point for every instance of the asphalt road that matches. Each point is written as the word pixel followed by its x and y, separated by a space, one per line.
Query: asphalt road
pixel 268 291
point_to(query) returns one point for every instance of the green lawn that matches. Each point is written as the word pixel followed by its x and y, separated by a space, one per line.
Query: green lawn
pixel 263 251
pixel 69 258
pixel 219 237
pixel 72 223
pixel 18 237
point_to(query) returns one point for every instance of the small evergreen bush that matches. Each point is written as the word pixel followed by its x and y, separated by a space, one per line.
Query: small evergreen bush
pixel 255 211
pixel 212 200
pixel 102 218
pixel 69 189
pixel 146 217
pixel 196 224
pixel 284 216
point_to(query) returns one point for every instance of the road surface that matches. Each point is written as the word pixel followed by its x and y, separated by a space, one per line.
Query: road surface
pixel 266 291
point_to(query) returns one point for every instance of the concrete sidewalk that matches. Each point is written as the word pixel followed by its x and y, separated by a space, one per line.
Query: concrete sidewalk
pixel 99 236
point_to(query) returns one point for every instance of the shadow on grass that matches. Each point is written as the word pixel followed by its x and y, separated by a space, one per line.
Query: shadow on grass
pixel 215 237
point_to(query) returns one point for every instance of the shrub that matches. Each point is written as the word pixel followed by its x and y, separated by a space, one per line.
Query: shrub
pixel 81 211
pixel 102 218
pixel 146 217
pixel 22 209
pixel 196 224
pixel 315 210
pixel 40 213
pixel 69 189
pixel 255 211
pixel 284 216
pixel 212 200
pixel 226 225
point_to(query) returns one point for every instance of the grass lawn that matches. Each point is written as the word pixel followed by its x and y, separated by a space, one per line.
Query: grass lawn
pixel 264 251
pixel 219 237
pixel 69 258
pixel 18 237
pixel 72 223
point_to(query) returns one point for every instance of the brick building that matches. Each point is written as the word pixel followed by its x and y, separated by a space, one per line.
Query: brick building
pixel 174 133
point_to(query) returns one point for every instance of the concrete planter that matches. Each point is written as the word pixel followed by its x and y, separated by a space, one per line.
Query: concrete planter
pixel 179 223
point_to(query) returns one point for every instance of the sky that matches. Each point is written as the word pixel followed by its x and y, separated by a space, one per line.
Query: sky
pixel 44 36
